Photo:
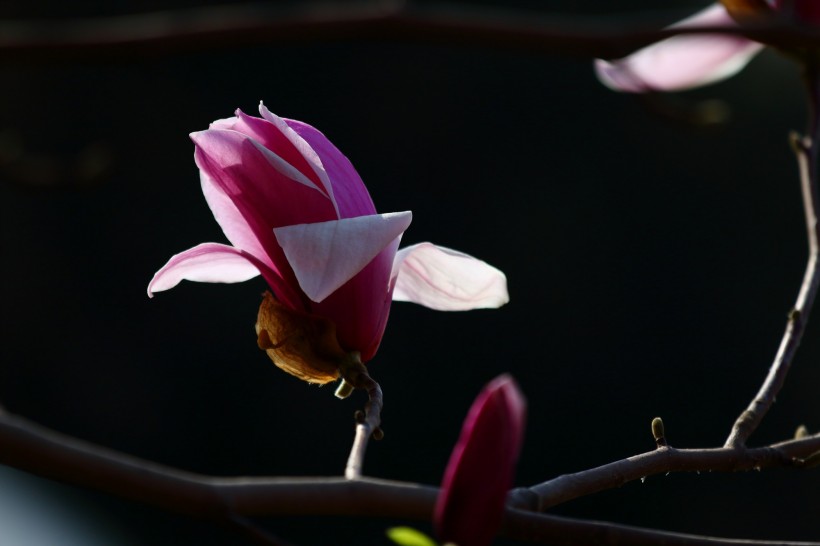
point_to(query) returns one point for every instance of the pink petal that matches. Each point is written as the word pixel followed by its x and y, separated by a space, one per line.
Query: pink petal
pixel 350 192
pixel 311 160
pixel 251 191
pixel 208 262
pixel 360 307
pixel 479 474
pixel 326 255
pixel 447 280
pixel 681 62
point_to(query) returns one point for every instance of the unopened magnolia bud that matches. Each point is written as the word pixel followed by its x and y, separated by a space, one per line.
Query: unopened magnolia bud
pixel 301 344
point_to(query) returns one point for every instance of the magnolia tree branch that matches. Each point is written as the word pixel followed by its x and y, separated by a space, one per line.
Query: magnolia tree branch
pixel 792 453
pixel 806 150
pixel 47 453
pixel 202 28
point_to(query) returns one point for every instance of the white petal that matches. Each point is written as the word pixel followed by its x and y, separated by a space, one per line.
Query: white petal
pixel 208 262
pixel 325 255
pixel 447 280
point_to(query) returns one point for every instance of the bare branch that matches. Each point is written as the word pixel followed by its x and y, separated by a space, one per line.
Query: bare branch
pixel 806 150
pixel 41 451
pixel 561 531
pixel 662 460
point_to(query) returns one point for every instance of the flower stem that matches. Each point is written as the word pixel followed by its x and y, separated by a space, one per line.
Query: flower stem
pixel 355 376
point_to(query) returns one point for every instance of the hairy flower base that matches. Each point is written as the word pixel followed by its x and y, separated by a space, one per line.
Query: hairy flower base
pixel 301 344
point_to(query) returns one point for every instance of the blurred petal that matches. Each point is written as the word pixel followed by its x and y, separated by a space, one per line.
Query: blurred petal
pixel 447 280
pixel 681 62
pixel 208 262
pixel 325 255
pixel 479 474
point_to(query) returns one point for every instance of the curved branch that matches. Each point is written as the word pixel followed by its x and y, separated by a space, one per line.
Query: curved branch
pixel 39 450
pixel 806 151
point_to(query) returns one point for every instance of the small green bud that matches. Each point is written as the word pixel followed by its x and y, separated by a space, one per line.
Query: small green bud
pixel 658 432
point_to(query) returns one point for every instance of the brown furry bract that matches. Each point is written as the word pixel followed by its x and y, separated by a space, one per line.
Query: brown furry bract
pixel 301 344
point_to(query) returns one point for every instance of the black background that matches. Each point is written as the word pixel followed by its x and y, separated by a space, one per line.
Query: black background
pixel 651 264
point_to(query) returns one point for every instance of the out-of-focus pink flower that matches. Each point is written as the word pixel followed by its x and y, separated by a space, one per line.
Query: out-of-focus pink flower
pixel 687 61
pixel 470 506
pixel 296 212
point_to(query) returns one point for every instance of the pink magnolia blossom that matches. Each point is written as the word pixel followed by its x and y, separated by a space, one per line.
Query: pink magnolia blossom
pixel 688 61
pixel 470 506
pixel 295 211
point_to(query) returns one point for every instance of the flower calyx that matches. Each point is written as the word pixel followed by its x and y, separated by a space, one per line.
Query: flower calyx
pixel 299 343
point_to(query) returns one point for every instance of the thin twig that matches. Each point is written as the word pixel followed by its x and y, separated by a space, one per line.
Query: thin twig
pixel 367 422
pixel 806 150
pixel 203 28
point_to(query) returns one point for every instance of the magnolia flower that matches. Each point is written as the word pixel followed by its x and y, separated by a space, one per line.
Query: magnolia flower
pixel 470 505
pixel 687 61
pixel 295 211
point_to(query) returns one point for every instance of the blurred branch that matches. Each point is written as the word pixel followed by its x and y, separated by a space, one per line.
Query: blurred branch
pixel 47 453
pixel 205 28
pixel 555 530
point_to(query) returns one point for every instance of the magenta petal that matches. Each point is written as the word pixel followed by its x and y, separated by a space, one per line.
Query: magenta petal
pixel 251 191
pixel 479 474
pixel 279 138
pixel 351 194
pixel 681 62
pixel 208 262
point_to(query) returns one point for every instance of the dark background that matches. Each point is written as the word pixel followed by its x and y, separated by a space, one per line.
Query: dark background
pixel 651 264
